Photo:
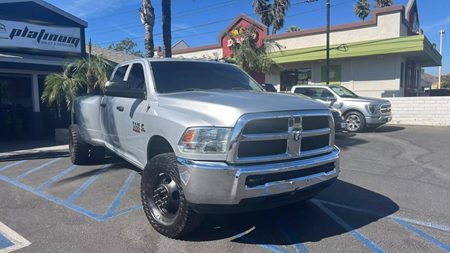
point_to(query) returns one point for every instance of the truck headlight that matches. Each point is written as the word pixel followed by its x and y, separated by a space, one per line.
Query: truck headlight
pixel 373 108
pixel 205 140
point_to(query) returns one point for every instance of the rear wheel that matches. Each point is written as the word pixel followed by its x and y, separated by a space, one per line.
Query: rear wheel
pixel 355 121
pixel 163 199
pixel 79 150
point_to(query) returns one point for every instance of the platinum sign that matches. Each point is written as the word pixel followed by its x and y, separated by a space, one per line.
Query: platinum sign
pixel 25 35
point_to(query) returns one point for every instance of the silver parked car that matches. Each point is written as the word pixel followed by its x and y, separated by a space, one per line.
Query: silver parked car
pixel 359 112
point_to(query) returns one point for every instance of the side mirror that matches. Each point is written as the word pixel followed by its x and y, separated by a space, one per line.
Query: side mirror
pixel 269 87
pixel 332 100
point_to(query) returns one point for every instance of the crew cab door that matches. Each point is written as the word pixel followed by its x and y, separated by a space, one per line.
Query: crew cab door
pixel 125 107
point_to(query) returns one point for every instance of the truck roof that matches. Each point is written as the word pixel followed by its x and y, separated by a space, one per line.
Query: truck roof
pixel 172 60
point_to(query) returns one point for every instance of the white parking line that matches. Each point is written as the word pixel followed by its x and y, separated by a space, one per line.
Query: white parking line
pixel 16 240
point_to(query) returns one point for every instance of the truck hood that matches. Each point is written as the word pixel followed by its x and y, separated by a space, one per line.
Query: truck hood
pixel 223 108
pixel 367 100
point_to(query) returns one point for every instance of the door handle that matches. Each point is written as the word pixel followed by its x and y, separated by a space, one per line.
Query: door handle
pixel 120 108
pixel 102 104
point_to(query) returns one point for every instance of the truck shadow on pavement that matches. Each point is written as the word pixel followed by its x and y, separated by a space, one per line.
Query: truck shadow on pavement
pixel 34 156
pixel 308 221
pixel 346 140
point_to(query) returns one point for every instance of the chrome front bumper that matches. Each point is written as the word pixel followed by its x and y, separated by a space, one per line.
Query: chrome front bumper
pixel 219 183
pixel 378 120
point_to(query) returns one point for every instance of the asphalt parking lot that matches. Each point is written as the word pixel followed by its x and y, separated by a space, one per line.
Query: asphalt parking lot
pixel 393 195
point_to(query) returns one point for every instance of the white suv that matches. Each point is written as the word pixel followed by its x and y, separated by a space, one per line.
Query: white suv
pixel 359 112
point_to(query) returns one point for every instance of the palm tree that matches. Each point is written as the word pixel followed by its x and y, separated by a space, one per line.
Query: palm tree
pixel 293 28
pixel 88 73
pixel 362 9
pixel 147 13
pixel 264 10
pixel 279 12
pixel 384 3
pixel 166 27
pixel 271 14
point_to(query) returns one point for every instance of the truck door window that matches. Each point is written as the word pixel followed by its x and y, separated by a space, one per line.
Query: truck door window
pixel 136 78
pixel 325 94
pixel 119 75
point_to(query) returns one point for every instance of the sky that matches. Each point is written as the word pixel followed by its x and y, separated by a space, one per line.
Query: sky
pixel 199 22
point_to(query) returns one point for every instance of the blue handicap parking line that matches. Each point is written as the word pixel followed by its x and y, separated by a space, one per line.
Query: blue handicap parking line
pixel 10 240
pixel 4 242
pixel 287 231
pixel 11 165
pixel 86 184
pixel 358 235
pixel 441 227
pixel 37 168
pixel 121 194
pixel 56 178
pixel 39 191
pixel 423 235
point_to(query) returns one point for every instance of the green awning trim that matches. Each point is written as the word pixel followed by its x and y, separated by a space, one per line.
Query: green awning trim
pixel 415 46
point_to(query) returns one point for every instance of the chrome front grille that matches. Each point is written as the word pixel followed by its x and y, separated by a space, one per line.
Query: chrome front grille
pixel 267 137
pixel 385 109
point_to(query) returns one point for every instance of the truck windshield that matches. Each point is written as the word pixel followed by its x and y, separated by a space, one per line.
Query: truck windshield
pixel 343 92
pixel 179 76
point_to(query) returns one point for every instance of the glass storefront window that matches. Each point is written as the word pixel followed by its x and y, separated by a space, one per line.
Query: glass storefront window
pixel 290 78
pixel 15 106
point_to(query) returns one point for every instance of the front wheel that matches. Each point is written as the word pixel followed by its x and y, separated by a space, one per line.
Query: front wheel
pixel 355 122
pixel 163 199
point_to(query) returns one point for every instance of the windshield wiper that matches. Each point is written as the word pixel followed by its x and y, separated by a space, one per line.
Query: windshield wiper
pixel 239 88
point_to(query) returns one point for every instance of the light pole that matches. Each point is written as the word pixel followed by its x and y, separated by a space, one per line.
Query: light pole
pixel 328 42
pixel 441 32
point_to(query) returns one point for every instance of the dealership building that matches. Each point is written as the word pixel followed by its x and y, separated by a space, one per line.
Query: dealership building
pixel 380 57
pixel 36 39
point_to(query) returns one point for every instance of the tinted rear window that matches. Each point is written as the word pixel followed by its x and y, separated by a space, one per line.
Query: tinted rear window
pixel 188 76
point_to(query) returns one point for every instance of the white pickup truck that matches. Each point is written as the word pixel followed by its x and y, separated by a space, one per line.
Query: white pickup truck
pixel 208 138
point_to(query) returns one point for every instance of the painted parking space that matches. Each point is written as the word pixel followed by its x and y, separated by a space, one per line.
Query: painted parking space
pixel 10 240
pixel 51 188
pixel 106 191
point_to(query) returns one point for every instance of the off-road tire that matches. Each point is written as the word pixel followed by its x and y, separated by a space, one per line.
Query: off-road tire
pixel 362 122
pixel 79 150
pixel 185 220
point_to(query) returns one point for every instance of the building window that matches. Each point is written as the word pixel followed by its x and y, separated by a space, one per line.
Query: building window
pixel 335 74
pixel 290 78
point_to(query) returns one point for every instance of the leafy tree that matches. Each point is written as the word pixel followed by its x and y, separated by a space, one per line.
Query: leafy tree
pixel 271 14
pixel 362 9
pixel 445 81
pixel 166 27
pixel 147 13
pixel 248 53
pixel 384 3
pixel 127 46
pixel 83 75
pixel 293 28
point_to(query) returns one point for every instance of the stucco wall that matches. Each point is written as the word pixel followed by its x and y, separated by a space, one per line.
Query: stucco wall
pixel 205 54
pixel 425 111
pixel 388 27
pixel 375 76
